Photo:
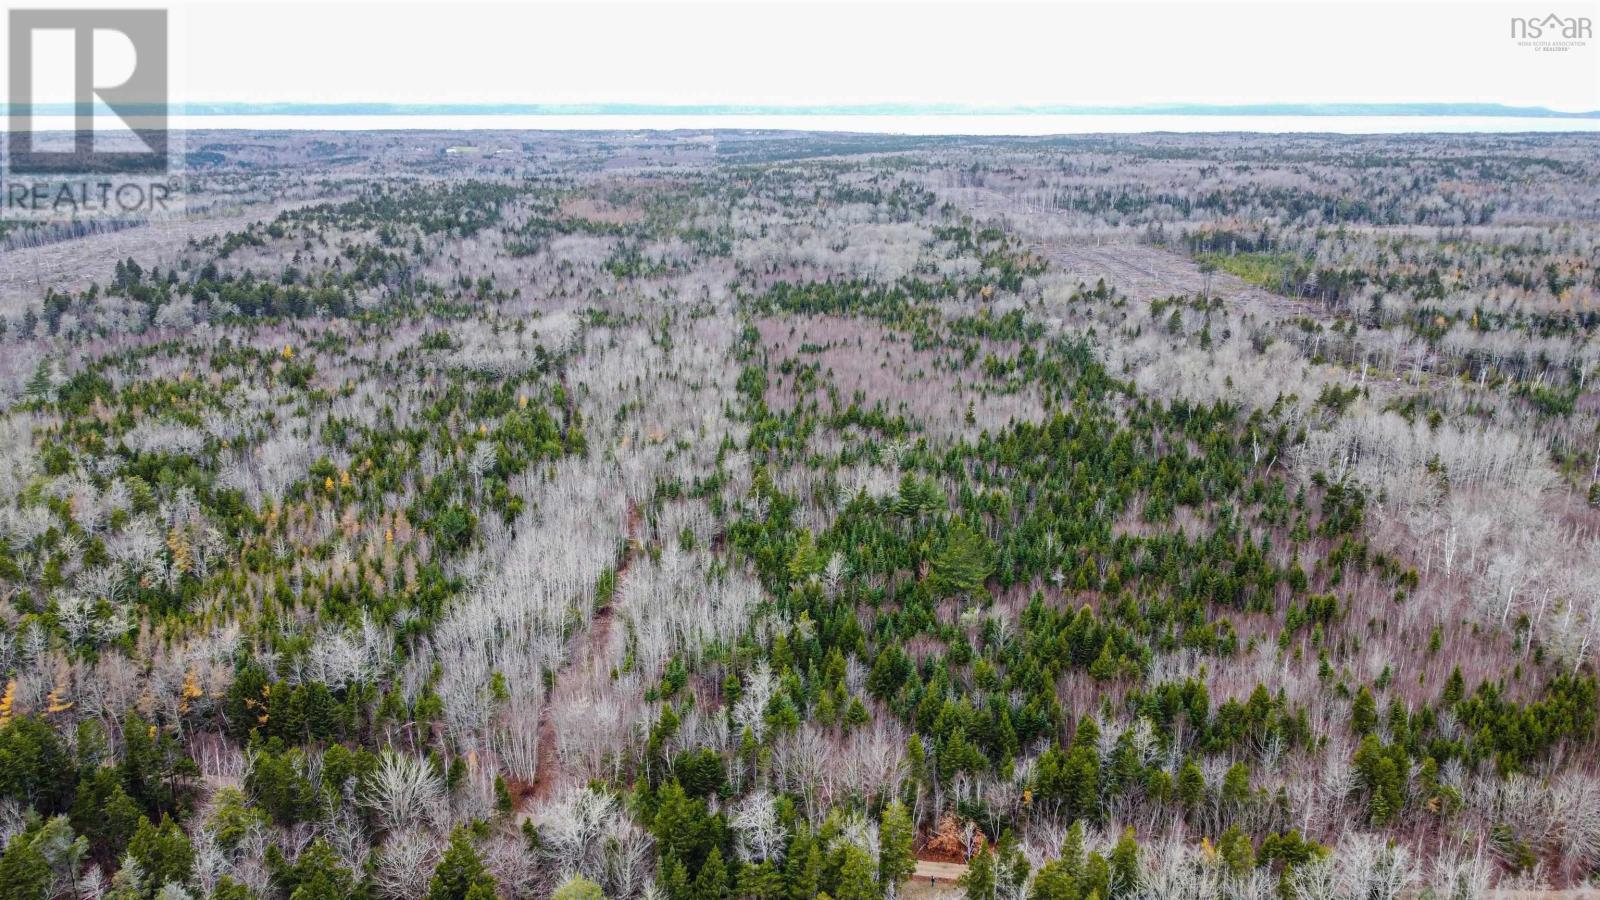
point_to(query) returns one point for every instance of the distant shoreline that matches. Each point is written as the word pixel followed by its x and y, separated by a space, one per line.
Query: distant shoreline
pixel 889 109
pixel 924 125
pixel 865 110
pixel 894 119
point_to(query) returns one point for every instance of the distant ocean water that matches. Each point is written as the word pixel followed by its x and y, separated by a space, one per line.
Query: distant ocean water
pixel 920 124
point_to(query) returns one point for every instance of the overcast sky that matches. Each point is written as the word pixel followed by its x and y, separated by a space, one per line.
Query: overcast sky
pixel 784 53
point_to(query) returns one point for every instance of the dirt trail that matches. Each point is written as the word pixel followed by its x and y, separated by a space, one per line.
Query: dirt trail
pixel 934 881
pixel 544 782
pixel 585 646
pixel 930 872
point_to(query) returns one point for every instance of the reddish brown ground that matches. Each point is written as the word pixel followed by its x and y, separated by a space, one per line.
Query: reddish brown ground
pixel 591 642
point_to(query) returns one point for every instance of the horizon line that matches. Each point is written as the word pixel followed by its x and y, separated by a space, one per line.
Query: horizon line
pixel 375 108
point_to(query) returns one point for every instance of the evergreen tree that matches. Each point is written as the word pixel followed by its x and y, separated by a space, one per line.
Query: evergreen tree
pixel 1237 853
pixel 855 880
pixel 803 865
pixel 804 562
pixel 674 822
pixel 460 871
pixel 1363 712
pixel 711 883
pixel 1059 878
pixel 62 849
pixel 1191 786
pixel 40 386
pixel 673 879
pixel 1054 883
pixel 163 852
pixel 979 881
pixel 761 881
pixel 228 889
pixel 1081 777
pixel 1104 667
pixel 1125 866
pixel 916 765
pixel 1011 868
pixel 1382 773
pixel 962 563
pixel 896 861
pixel 317 874
pixel 1236 785
pixel 24 873
pixel 1072 849
pixel 1096 878
pixel 35 767
pixel 918 497
pixel 857 715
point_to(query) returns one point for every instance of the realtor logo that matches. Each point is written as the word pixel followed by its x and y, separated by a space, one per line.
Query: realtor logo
pixel 1552 26
pixel 1552 33
pixel 53 47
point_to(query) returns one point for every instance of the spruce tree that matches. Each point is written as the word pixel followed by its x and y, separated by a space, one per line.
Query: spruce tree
pixel 962 562
pixel 711 883
pixel 895 859
pixel 24 874
pixel 461 871
pixel 163 851
pixel 804 865
pixel 979 881
pixel 1125 866
pixel 855 876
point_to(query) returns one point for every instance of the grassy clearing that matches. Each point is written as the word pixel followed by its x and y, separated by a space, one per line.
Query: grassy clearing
pixel 1269 271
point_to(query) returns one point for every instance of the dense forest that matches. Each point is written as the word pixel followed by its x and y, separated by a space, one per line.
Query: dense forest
pixel 756 516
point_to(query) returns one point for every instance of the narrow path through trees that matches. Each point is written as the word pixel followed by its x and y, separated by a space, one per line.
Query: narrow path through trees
pixel 585 646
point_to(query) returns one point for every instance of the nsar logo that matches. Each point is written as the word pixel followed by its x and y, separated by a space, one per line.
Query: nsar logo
pixel 1552 31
